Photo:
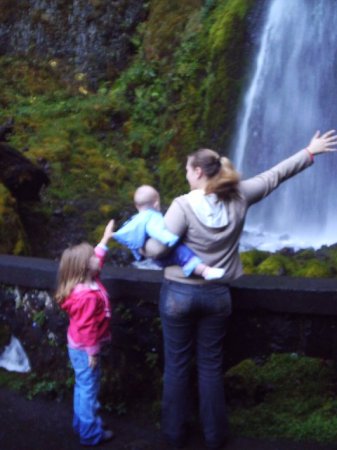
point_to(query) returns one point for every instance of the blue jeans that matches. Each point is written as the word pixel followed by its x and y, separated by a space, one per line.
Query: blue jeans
pixel 86 422
pixel 194 323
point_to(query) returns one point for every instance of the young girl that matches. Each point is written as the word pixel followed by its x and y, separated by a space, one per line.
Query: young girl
pixel 84 298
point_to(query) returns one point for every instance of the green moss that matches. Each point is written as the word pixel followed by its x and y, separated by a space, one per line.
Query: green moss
pixel 167 95
pixel 162 37
pixel 12 380
pixel 251 259
pixel 288 396
pixel 228 59
pixel 157 106
pixel 277 264
pixel 307 263
pixel 313 268
pixel 12 235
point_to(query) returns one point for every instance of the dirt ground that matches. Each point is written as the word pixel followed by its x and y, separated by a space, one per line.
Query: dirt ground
pixel 46 425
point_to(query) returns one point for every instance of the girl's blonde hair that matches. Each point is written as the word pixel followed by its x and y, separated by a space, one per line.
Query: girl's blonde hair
pixel 73 269
pixel 223 179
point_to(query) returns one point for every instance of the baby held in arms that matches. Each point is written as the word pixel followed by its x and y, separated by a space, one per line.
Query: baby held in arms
pixel 149 222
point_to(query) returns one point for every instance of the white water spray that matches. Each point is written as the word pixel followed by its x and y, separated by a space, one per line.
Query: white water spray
pixel 292 93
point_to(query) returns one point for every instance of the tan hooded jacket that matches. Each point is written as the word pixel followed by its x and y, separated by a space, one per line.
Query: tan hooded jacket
pixel 216 245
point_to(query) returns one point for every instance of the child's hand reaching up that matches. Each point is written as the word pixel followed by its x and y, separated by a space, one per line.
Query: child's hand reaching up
pixel 107 235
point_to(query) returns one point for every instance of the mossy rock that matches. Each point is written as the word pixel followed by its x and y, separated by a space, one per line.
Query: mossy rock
pixel 277 264
pixel 242 384
pixel 297 400
pixel 313 268
pixel 306 254
pixel 251 259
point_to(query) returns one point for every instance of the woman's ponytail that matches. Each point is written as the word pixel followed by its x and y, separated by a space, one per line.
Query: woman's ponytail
pixel 222 178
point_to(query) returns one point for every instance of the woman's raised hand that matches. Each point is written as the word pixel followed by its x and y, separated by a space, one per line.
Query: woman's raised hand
pixel 325 143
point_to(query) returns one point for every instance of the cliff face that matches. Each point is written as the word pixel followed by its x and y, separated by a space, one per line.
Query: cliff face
pixel 92 36
pixel 106 95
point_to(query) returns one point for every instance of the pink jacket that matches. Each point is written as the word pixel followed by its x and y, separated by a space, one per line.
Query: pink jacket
pixel 89 313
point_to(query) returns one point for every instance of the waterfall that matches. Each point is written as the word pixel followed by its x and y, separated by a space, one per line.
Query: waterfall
pixel 292 92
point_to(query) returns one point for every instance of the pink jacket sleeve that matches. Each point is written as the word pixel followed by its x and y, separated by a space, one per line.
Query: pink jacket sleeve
pixel 100 252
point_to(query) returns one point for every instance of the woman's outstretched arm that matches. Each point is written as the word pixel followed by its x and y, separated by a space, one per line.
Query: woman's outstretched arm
pixel 256 188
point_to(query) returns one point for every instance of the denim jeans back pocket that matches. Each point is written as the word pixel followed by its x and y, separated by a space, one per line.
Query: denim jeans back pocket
pixel 174 303
pixel 217 300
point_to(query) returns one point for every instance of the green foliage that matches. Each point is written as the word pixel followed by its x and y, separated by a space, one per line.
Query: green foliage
pixel 228 57
pixel 12 380
pixel 307 263
pixel 171 182
pixel 276 264
pixel 288 396
pixel 251 260
pixel 314 269
pixel 165 93
pixel 12 235
pixel 175 95
pixel 151 359
pixel 42 387
pixel 39 317
pixel 33 384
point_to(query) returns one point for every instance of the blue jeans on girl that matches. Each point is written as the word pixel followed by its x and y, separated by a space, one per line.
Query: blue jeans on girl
pixel 194 324
pixel 86 421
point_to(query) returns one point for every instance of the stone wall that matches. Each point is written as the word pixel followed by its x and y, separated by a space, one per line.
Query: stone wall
pixel 270 314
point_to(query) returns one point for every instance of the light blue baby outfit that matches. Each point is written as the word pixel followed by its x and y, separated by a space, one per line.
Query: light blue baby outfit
pixel 150 223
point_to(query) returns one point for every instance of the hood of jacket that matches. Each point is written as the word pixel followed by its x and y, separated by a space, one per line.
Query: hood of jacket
pixel 211 211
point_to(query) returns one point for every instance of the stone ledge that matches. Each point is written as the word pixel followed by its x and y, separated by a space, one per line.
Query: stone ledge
pixel 275 294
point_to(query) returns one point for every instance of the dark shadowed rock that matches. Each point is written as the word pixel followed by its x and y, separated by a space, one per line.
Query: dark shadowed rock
pixel 21 177
pixel 6 129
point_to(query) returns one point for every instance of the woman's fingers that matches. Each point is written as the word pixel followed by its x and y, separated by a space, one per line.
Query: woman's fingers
pixel 329 133
pixel 330 138
pixel 327 142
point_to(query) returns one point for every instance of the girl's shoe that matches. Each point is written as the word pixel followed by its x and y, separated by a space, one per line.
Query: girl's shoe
pixel 107 436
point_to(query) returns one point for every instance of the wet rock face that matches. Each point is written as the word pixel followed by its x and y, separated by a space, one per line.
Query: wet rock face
pixel 92 35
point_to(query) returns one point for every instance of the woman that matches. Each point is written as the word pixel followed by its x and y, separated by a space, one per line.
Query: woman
pixel 210 220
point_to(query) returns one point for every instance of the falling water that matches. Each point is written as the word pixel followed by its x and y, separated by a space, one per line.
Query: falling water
pixel 292 93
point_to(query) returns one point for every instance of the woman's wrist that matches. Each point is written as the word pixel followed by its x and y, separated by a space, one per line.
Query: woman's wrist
pixel 311 154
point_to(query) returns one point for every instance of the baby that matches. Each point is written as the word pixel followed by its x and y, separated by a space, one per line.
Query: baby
pixel 149 222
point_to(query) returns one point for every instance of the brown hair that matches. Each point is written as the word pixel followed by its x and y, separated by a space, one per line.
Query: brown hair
pixel 73 269
pixel 223 179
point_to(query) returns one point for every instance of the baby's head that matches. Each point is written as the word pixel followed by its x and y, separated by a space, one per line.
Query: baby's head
pixel 146 197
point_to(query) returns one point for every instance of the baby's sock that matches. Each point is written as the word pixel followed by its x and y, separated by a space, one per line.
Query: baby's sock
pixel 212 273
